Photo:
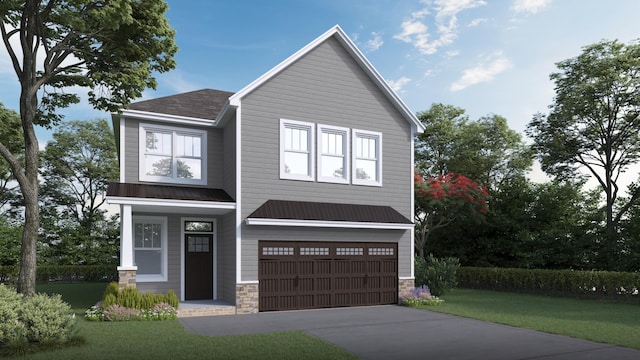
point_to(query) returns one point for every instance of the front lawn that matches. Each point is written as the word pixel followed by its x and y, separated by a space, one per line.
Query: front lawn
pixel 168 339
pixel 594 320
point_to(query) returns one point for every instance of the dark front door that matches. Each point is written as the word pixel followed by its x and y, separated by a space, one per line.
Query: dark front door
pixel 198 268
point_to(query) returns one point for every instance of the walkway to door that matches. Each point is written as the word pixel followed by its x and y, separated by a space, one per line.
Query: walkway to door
pixel 396 332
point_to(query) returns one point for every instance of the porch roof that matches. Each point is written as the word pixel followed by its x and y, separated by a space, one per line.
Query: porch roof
pixel 147 191
pixel 304 213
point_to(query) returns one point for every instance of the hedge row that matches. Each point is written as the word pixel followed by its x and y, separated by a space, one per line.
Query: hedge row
pixel 46 273
pixel 582 284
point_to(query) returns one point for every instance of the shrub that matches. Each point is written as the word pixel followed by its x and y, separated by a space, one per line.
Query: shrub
pixel 419 296
pixel 438 274
pixel 128 304
pixel 47 319
pixel 116 312
pixel 619 286
pixel 10 326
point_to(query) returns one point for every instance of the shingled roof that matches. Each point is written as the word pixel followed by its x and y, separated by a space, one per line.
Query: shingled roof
pixel 201 104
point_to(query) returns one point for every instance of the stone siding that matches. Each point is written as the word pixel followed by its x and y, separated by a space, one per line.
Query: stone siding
pixel 127 278
pixel 247 298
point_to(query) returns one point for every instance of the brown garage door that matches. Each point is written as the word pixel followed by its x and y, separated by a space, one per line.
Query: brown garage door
pixel 306 275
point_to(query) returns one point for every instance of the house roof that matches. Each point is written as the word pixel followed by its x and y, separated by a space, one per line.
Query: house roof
pixel 328 212
pixel 199 104
pixel 359 57
pixel 146 191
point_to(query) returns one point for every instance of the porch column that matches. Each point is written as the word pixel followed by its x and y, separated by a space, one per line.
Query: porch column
pixel 126 270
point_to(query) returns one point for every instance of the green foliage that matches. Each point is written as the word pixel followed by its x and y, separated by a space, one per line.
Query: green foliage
pixel 113 288
pixel 594 125
pixel 620 286
pixel 108 300
pixel 47 319
pixel 10 326
pixel 28 323
pixel 46 273
pixel 130 297
pixel 172 299
pixel 10 237
pixel 438 274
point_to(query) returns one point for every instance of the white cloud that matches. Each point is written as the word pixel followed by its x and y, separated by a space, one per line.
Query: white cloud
pixel 416 32
pixel 476 22
pixel 529 6
pixel 375 43
pixel 453 53
pixel 488 68
pixel 398 85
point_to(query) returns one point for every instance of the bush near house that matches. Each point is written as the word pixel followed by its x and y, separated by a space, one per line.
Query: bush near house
pixel 618 286
pixel 130 304
pixel 28 324
pixel 438 274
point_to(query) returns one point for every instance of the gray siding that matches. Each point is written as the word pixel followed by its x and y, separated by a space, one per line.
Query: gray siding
pixel 229 173
pixel 215 153
pixel 227 258
pixel 324 87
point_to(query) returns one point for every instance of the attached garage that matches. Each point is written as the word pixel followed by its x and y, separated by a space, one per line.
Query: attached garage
pixel 304 275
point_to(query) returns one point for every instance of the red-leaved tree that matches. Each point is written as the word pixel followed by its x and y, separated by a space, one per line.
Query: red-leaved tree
pixel 442 199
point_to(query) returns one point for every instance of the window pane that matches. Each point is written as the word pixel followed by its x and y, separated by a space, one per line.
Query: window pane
pixel 137 235
pixel 158 142
pixel 332 143
pixel 188 145
pixel 366 170
pixel 158 165
pixel 296 163
pixel 149 262
pixel 296 139
pixel 189 168
pixel 332 166
pixel 204 226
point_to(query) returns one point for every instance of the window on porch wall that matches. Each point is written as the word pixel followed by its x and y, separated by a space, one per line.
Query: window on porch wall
pixel 150 248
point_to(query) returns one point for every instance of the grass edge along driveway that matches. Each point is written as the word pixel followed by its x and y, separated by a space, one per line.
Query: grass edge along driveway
pixel 594 320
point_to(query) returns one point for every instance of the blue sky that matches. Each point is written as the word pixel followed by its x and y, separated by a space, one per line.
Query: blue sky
pixel 488 57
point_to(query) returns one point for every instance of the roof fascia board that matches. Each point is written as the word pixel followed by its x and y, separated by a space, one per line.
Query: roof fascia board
pixel 236 98
pixel 175 119
pixel 330 224
pixel 122 200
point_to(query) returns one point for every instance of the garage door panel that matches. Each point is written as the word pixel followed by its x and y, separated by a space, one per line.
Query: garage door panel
pixel 304 275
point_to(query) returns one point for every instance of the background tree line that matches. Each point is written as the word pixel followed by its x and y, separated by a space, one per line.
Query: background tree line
pixel 591 132
pixel 75 168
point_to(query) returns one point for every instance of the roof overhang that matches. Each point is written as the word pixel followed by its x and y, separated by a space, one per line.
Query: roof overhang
pixel 328 224
pixel 173 206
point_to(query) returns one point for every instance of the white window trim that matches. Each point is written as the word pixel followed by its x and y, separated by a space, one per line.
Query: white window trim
pixel 355 133
pixel 310 143
pixel 345 151
pixel 162 220
pixel 143 128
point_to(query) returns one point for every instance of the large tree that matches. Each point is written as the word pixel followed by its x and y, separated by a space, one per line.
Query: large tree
pixel 110 47
pixel 594 124
pixel 485 150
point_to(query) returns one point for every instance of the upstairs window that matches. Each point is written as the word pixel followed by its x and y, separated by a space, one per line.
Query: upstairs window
pixel 367 158
pixel 333 150
pixel 172 155
pixel 296 150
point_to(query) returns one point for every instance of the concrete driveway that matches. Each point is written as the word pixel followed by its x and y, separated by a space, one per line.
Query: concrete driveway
pixel 396 332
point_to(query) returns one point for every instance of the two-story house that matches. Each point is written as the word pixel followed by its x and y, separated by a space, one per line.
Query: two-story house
pixel 294 192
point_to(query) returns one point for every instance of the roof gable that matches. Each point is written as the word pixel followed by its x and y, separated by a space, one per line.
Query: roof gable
pixel 351 48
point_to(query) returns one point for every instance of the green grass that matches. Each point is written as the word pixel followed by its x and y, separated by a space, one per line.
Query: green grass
pixel 168 339
pixel 594 320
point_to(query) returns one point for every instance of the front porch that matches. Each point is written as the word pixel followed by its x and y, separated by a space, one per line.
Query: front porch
pixel 205 308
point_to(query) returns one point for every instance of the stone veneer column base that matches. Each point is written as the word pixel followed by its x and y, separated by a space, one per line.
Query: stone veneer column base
pixel 404 285
pixel 247 298
pixel 127 278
